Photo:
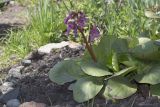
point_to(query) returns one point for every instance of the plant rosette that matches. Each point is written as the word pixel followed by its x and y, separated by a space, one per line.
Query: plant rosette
pixel 109 67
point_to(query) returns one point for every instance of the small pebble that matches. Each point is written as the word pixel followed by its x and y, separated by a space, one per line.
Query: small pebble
pixel 26 62
pixel 146 105
pixel 8 84
pixel 33 104
pixel 13 103
pixel 4 105
pixel 5 89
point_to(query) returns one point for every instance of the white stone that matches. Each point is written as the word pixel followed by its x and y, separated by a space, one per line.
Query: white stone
pixel 8 84
pixel 49 47
pixel 75 45
pixel 26 62
pixel 12 2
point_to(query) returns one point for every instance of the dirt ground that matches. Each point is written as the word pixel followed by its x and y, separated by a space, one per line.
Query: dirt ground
pixel 12 17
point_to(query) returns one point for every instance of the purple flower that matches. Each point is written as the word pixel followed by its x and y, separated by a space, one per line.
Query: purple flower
pixel 68 17
pixel 75 21
pixel 81 20
pixel 75 31
pixel 94 33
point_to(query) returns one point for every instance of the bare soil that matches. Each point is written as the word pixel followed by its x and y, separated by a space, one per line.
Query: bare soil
pixel 12 17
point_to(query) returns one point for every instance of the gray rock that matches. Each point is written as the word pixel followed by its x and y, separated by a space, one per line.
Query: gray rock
pixel 33 104
pixel 4 105
pixel 15 72
pixel 13 94
pixel 5 89
pixel 12 79
pixel 146 105
pixel 8 84
pixel 13 103
pixel 26 62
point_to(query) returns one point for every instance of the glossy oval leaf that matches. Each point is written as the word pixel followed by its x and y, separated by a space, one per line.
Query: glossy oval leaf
pixel 120 45
pixel 150 77
pixel 103 50
pixel 146 50
pixel 65 71
pixel 115 64
pixel 94 69
pixel 125 71
pixel 128 63
pixel 86 89
pixel 119 88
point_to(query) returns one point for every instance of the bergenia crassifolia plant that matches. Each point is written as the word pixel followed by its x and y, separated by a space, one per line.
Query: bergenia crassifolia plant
pixel 112 68
pixel 76 22
pixel 92 72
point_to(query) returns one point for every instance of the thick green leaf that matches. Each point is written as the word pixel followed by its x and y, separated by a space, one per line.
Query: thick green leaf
pixel 150 77
pixel 155 90
pixel 86 89
pixel 146 50
pixel 108 44
pixel 128 63
pixel 119 88
pixel 125 71
pixel 94 69
pixel 103 50
pixel 122 72
pixel 65 71
pixel 115 64
pixel 120 45
pixel 143 67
